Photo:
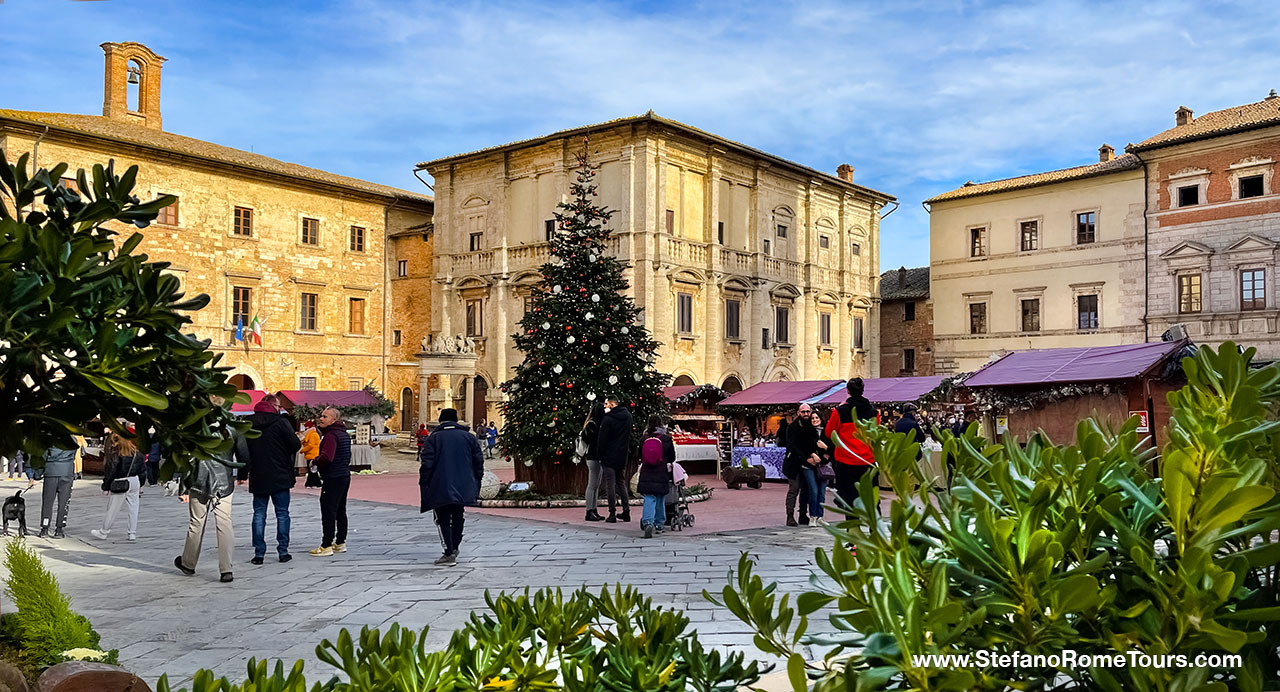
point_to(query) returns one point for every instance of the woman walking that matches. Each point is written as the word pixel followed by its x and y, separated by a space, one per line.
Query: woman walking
pixel 123 482
pixel 853 458
pixel 657 454
pixel 591 436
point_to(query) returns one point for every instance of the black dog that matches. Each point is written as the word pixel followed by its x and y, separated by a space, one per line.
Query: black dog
pixel 15 509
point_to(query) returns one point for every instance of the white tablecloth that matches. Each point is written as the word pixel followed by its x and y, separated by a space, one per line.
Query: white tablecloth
pixel 361 455
pixel 697 452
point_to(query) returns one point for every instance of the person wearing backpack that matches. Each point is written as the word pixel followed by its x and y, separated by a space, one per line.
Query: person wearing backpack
pixel 657 454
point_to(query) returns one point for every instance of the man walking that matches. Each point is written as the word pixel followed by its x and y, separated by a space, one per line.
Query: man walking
pixel 492 433
pixel 802 442
pixel 449 477
pixel 59 475
pixel 614 447
pixel 210 491
pixel 334 462
pixel 271 476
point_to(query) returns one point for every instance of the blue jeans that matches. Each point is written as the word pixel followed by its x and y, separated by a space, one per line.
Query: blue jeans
pixel 655 510
pixel 281 502
pixel 817 491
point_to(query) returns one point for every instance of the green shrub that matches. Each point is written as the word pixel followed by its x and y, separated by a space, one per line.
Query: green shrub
pixel 616 640
pixel 1042 549
pixel 44 625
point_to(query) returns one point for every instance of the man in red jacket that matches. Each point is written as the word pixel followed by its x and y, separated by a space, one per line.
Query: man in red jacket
pixel 853 456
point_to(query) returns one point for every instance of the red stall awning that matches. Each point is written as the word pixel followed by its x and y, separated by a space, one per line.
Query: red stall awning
pixel 1092 364
pixel 779 393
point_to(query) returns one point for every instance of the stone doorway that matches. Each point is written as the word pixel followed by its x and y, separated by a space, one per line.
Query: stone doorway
pixel 241 382
pixel 406 409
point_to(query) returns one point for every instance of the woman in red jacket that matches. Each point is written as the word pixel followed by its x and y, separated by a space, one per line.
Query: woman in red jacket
pixel 853 456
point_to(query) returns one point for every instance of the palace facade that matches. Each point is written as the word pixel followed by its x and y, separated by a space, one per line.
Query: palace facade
pixel 748 267
pixel 302 250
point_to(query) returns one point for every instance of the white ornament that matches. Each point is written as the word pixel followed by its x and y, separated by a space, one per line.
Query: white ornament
pixel 604 347
pixel 613 379
pixel 638 377
pixel 556 288
pixel 558 369
pixel 546 325
pixel 591 396
pixel 591 258
pixel 626 331
pixel 589 316
pixel 595 297
pixel 545 384
pixel 570 339
pixel 552 424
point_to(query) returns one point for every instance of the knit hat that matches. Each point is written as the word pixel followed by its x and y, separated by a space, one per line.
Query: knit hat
pixel 449 415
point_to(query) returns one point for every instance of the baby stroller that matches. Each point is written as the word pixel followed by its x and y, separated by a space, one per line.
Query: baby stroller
pixel 677 501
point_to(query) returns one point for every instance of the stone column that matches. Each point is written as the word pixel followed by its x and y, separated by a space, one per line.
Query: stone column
pixel 471 399
pixel 424 396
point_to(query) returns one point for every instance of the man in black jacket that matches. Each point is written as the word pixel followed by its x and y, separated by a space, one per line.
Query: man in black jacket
pixel 334 463
pixel 270 474
pixel 614 447
pixel 801 441
pixel 449 478
pixel 909 423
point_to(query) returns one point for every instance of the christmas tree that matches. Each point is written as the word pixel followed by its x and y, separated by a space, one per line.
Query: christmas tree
pixel 582 341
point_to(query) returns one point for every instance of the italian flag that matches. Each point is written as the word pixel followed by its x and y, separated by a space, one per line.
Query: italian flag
pixel 255 328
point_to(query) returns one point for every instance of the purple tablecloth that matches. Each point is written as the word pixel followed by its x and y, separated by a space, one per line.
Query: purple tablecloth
pixel 770 457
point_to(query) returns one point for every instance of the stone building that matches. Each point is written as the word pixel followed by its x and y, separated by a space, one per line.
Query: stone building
pixel 1039 261
pixel 300 248
pixel 749 267
pixel 906 323
pixel 1213 223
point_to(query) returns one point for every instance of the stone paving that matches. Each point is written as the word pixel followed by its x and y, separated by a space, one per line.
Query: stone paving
pixel 165 622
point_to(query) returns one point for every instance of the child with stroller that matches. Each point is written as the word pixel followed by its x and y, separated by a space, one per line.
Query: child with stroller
pixel 657 454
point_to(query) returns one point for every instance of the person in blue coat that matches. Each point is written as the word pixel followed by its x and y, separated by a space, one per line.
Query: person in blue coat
pixel 452 467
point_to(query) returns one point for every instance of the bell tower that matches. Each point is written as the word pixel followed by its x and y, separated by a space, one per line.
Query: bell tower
pixel 131 90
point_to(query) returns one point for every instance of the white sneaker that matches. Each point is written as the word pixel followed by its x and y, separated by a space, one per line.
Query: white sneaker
pixel 133 536
pixel 98 534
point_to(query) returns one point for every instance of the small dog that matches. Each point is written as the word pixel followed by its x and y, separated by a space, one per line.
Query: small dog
pixel 15 509
pixel 171 488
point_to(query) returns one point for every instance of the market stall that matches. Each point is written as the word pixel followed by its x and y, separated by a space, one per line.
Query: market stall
pixel 757 413
pixel 357 411
pixel 1052 390
pixel 255 395
pixel 696 427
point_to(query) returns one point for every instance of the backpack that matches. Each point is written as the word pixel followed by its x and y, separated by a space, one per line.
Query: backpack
pixel 651 451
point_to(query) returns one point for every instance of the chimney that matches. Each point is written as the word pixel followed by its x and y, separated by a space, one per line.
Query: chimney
pixel 1183 116
pixel 845 172
pixel 902 278
pixel 131 89
pixel 1272 96
pixel 1106 153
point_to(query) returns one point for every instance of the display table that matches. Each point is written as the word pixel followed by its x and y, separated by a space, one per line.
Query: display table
pixel 362 457
pixel 769 457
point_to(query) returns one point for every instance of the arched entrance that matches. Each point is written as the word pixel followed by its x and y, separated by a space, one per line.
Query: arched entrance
pixel 475 410
pixel 241 382
pixel 406 409
pixel 732 385
pixel 684 381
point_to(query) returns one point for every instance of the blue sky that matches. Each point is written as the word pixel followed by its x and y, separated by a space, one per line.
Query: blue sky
pixel 918 96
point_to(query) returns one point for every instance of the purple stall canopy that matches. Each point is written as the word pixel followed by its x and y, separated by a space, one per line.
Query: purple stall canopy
pixel 888 390
pixel 1056 365
pixel 305 397
pixel 779 393
pixel 255 395
pixel 676 391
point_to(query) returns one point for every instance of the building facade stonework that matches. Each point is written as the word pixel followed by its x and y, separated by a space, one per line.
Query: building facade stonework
pixel 1042 261
pixel 906 323
pixel 748 267
pixel 300 248
pixel 1214 225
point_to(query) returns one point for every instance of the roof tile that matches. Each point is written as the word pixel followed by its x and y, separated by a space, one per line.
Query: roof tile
pixel 1126 162
pixel 128 133
pixel 1250 116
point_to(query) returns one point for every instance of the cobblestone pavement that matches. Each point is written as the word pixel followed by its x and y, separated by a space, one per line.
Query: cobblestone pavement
pixel 165 622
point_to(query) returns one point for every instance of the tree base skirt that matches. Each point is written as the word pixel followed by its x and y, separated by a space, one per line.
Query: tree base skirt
pixel 561 504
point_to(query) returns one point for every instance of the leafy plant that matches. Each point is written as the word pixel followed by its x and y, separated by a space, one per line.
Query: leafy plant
pixel 615 640
pixel 1044 549
pixel 89 329
pixel 44 626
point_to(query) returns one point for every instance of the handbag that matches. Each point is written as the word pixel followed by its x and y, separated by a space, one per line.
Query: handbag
pixel 120 486
pixel 826 472
pixel 313 480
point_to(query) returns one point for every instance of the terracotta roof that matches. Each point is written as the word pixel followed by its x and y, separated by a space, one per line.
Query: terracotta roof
pixel 1126 162
pixel 1264 113
pixel 689 129
pixel 128 133
pixel 916 286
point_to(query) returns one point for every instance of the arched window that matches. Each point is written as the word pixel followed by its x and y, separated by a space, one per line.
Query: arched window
pixel 406 409
pixel 683 381
pixel 732 385
pixel 241 382
pixel 134 86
